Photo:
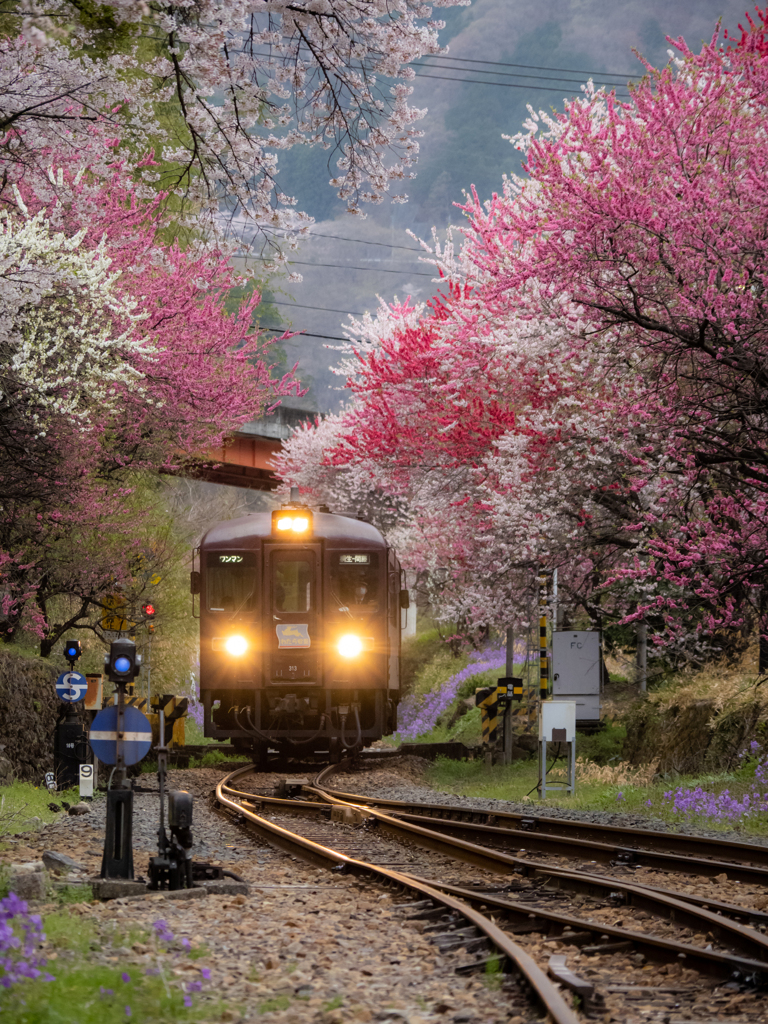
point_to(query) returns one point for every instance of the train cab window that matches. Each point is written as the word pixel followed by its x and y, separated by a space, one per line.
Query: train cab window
pixel 231 581
pixel 291 584
pixel 355 583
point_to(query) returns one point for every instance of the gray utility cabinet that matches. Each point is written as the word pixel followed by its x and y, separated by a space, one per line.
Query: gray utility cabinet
pixel 576 671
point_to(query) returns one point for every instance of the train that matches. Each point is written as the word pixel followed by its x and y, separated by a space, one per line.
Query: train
pixel 301 615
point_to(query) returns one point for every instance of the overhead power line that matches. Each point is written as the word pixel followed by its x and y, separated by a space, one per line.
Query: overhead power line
pixel 300 305
pixel 303 334
pixel 343 266
pixel 361 241
pixel 527 67
pixel 498 85
pixel 516 74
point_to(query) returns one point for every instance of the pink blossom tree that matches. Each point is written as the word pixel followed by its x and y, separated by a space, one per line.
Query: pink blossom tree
pixel 118 357
pixel 593 392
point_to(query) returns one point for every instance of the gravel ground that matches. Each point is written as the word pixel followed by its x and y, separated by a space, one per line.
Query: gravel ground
pixel 402 779
pixel 304 946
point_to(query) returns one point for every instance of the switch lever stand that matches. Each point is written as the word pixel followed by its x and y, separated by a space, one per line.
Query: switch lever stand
pixel 172 867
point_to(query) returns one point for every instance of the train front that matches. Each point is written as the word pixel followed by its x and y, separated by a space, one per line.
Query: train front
pixel 299 632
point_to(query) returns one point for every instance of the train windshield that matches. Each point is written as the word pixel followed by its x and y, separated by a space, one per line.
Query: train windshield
pixel 355 583
pixel 231 582
pixel 292 584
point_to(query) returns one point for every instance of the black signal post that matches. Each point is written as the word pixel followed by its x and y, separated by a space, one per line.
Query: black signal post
pixel 122 665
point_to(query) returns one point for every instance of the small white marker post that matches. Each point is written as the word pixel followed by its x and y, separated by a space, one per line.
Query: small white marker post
pixel 86 780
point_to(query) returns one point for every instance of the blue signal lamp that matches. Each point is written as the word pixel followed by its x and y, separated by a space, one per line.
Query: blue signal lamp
pixel 72 650
pixel 123 663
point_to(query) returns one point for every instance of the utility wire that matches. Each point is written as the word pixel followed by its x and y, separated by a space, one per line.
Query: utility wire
pixel 361 241
pixel 300 305
pixel 516 74
pixel 343 266
pixel 526 67
pixel 303 334
pixel 499 85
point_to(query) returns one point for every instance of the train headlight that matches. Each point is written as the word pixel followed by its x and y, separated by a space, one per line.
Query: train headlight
pixel 350 646
pixel 292 522
pixel 236 646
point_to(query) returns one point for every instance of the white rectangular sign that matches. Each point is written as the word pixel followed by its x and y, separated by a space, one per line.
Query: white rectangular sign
pixel 86 780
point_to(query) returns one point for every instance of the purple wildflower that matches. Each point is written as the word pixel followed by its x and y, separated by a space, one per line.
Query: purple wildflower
pixel 187 1000
pixel 418 714
pixel 162 931
pixel 21 934
pixel 206 973
pixel 619 796
pixel 128 1012
pixel 125 976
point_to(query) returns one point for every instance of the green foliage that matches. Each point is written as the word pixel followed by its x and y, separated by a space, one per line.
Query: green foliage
pixel 65 895
pixel 493 974
pixel 604 746
pixel 418 655
pixel 214 757
pixel 60 934
pixel 276 1003
pixel 333 1004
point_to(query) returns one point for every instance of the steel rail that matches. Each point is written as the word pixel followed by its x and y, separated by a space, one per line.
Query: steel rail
pixel 670 907
pixel 654 947
pixel 528 916
pixel 483 855
pixel 542 843
pixel 579 881
pixel 544 991
pixel 565 828
pixel 660 903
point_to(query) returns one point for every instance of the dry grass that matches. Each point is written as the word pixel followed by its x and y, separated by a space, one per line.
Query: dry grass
pixel 621 774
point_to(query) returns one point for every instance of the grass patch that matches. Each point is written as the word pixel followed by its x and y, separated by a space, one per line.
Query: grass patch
pixel 276 1003
pixel 24 807
pixel 60 934
pixel 214 757
pixel 98 995
pixel 619 788
pixel 66 895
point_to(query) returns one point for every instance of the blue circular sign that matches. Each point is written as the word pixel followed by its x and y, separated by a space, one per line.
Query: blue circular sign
pixel 137 735
pixel 71 687
pixel 122 665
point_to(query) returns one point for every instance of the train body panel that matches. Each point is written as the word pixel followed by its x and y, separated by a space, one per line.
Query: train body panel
pixel 299 631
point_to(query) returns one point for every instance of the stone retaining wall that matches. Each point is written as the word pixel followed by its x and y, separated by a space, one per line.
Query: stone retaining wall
pixel 694 736
pixel 28 712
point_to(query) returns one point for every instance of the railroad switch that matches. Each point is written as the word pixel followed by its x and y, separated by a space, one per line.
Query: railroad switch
pixel 347 815
pixel 290 787
pixel 172 867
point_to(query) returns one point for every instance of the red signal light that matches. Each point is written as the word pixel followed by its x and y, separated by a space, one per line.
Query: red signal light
pixel 148 610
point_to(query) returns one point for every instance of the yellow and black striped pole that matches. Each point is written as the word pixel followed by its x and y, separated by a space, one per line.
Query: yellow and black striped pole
pixel 487 699
pixel 543 660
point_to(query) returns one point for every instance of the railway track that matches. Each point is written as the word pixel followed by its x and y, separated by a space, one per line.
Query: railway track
pixel 565 917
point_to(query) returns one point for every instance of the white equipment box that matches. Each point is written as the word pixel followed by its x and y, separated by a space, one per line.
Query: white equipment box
pixel 557 721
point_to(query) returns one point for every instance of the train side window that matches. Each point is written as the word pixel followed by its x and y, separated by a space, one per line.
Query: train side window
pixel 292 585
pixel 231 581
